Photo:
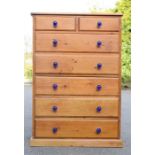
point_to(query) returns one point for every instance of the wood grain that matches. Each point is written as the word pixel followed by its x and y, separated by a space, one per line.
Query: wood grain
pixel 108 24
pixel 46 23
pixel 76 42
pixel 77 63
pixel 77 142
pixel 77 128
pixel 33 78
pixel 76 85
pixel 120 75
pixel 77 78
pixel 78 106
pixel 75 14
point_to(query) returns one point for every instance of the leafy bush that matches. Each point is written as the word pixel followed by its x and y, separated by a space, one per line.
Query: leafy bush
pixel 124 7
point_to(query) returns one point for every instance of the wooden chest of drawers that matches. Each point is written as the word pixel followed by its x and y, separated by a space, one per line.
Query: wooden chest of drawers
pixel 76 80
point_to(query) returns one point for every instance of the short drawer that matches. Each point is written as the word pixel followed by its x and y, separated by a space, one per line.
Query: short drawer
pixel 76 85
pixel 77 63
pixel 74 128
pixel 54 23
pixel 99 24
pixel 47 41
pixel 77 106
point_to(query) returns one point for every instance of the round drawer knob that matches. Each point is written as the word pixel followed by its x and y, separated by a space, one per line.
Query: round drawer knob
pixel 99 66
pixel 55 42
pixel 54 108
pixel 54 130
pixel 98 108
pixel 98 130
pixel 55 86
pixel 55 65
pixel 99 43
pixel 99 24
pixel 98 87
pixel 55 24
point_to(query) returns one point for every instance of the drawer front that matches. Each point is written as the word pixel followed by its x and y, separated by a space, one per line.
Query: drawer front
pixel 76 85
pixel 54 23
pixel 77 63
pixel 99 24
pixel 77 106
pixel 46 41
pixel 74 128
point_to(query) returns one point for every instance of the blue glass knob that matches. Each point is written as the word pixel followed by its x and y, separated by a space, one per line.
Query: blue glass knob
pixel 98 130
pixel 54 130
pixel 55 24
pixel 55 86
pixel 99 108
pixel 99 43
pixel 99 66
pixel 98 87
pixel 55 65
pixel 99 24
pixel 55 42
pixel 54 108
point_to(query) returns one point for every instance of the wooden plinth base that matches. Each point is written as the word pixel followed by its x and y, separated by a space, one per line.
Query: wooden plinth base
pixel 77 142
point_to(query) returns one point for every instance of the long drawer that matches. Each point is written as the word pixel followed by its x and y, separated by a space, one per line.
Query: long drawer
pixel 48 41
pixel 77 63
pixel 76 128
pixel 76 85
pixel 77 106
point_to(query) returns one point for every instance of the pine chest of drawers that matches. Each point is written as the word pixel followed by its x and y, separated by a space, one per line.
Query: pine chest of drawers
pixel 76 80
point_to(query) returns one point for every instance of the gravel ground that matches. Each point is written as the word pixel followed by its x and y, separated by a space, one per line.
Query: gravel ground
pixel 126 126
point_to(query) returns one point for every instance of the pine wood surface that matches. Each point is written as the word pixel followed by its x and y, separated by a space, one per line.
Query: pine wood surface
pixel 76 76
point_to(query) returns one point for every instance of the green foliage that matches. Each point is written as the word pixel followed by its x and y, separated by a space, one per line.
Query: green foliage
pixel 28 66
pixel 124 7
